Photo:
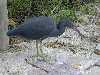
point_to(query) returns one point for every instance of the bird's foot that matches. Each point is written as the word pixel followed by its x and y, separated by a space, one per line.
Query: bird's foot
pixel 41 57
pixel 44 57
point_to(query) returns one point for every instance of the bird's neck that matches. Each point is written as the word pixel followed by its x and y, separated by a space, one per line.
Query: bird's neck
pixel 61 29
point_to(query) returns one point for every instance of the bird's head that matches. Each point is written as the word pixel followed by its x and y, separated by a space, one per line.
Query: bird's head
pixel 62 24
pixel 65 23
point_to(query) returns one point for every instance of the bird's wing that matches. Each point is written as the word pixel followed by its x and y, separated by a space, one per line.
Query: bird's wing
pixel 39 27
pixel 43 25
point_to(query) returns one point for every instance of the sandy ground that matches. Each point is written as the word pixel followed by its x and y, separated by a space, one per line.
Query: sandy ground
pixel 68 54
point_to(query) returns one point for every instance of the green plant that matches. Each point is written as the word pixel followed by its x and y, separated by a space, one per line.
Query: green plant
pixel 56 8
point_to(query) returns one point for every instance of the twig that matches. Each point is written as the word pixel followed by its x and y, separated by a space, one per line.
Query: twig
pixel 33 65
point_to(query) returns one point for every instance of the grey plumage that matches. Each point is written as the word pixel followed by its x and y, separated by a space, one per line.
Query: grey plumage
pixel 39 28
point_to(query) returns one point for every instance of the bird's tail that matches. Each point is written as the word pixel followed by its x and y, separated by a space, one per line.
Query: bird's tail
pixel 12 32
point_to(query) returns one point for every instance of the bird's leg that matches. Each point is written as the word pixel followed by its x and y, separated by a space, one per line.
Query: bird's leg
pixel 43 55
pixel 36 55
pixel 37 41
pixel 40 55
pixel 41 46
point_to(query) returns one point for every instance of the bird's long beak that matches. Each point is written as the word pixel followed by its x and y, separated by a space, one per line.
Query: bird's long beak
pixel 75 29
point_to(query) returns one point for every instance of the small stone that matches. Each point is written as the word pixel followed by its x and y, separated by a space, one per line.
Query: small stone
pixel 76 66
pixel 98 39
pixel 97 52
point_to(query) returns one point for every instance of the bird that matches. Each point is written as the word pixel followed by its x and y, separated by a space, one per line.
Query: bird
pixel 40 28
